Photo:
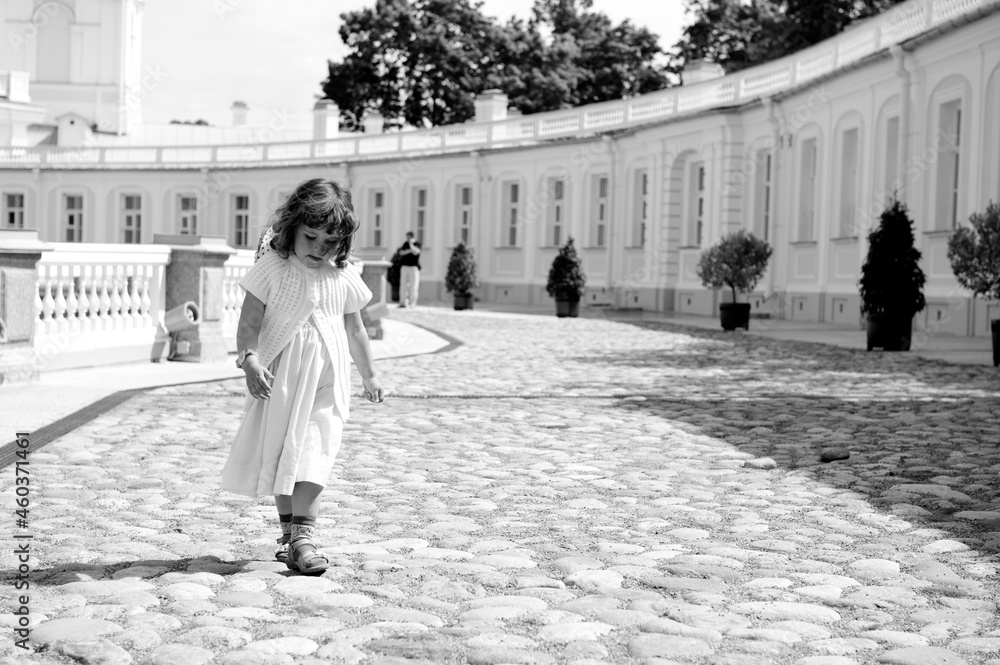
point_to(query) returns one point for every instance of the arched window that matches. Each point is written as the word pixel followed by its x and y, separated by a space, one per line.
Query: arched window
pixel 53 21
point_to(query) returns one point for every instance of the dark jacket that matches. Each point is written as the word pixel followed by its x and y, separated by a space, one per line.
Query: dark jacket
pixel 410 259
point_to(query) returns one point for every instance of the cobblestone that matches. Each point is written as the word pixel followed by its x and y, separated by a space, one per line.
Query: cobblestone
pixel 552 491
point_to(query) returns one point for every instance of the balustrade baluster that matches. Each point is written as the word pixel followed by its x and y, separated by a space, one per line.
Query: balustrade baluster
pixel 105 299
pixel 95 300
pixel 126 299
pixel 133 298
pixel 39 307
pixel 147 318
pixel 72 304
pixel 115 300
pixel 48 306
pixel 83 312
pixel 59 313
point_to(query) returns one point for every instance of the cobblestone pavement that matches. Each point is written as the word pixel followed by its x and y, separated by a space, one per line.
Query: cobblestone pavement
pixel 553 491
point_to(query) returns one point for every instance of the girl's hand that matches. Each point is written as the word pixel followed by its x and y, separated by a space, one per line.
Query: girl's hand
pixel 258 378
pixel 373 390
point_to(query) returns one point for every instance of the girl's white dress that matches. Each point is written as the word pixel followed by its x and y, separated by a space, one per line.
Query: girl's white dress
pixel 295 435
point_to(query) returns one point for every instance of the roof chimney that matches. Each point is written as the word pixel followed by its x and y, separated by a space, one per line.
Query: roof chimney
pixel 491 105
pixel 699 71
pixel 373 122
pixel 326 119
pixel 239 110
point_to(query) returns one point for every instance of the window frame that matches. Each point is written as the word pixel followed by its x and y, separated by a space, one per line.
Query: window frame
pixel 234 217
pixel 420 213
pixel 555 211
pixel 695 198
pixel 187 218
pixel 848 179
pixel 641 200
pixel 73 218
pixel 763 188
pixel 463 213
pixel 8 209
pixel 377 199
pixel 511 216
pixel 948 173
pixel 807 232
pixel 599 209
pixel 131 218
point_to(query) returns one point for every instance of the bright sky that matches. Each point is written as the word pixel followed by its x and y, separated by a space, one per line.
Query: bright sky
pixel 213 52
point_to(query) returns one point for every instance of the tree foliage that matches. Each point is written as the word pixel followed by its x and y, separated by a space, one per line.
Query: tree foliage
pixel 892 280
pixel 738 34
pixel 566 279
pixel 738 261
pixel 422 62
pixel 975 253
pixel 461 277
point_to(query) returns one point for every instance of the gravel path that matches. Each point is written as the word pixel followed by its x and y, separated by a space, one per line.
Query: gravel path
pixel 553 491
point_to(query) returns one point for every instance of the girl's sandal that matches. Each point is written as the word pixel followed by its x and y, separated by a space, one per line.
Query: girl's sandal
pixel 281 554
pixel 305 558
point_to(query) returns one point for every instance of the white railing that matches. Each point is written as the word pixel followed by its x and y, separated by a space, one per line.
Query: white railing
pixel 98 303
pixel 232 295
pixel 899 24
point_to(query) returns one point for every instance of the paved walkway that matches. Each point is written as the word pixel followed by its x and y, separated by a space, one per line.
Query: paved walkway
pixel 553 491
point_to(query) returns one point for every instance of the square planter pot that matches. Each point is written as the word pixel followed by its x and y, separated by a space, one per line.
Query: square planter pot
pixel 889 333
pixel 567 308
pixel 734 315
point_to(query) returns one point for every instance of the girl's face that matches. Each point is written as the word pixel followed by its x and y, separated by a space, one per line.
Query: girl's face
pixel 311 245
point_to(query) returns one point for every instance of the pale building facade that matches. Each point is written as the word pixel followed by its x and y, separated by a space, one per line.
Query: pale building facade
pixel 804 152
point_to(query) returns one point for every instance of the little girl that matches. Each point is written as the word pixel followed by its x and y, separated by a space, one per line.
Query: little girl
pixel 301 318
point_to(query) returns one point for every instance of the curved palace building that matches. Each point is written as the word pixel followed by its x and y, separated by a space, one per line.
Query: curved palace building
pixel 804 151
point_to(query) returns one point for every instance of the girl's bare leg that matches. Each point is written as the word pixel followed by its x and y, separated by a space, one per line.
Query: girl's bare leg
pixel 305 500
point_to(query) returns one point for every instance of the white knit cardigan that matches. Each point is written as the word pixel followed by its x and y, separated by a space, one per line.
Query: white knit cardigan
pixel 291 293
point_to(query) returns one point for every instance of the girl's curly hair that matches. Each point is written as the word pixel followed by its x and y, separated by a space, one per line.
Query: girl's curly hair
pixel 319 204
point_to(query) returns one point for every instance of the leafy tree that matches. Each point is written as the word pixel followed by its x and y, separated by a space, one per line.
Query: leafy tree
pixel 413 62
pixel 422 62
pixel 738 34
pixel 737 261
pixel 975 253
pixel 892 280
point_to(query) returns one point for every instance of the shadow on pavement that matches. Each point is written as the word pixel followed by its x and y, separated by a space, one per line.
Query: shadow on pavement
pixel 138 569
pixel 923 436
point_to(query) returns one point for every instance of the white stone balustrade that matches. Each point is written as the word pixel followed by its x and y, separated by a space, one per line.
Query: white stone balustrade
pixel 902 22
pixel 98 303
pixel 232 295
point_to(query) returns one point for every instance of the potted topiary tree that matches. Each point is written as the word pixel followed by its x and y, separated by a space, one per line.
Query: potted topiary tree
pixel 461 276
pixel 567 283
pixel 892 281
pixel 975 259
pixel 738 261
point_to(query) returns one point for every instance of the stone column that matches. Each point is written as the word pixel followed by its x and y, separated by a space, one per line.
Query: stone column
pixel 374 276
pixel 20 251
pixel 195 273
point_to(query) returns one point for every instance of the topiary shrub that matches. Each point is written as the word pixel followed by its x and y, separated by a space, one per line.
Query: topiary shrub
pixel 461 277
pixel 566 278
pixel 892 280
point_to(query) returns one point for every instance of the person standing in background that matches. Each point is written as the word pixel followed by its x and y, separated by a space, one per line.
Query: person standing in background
pixel 409 272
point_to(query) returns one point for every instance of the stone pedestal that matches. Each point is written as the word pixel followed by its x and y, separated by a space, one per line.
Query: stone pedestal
pixel 20 251
pixel 374 277
pixel 195 273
